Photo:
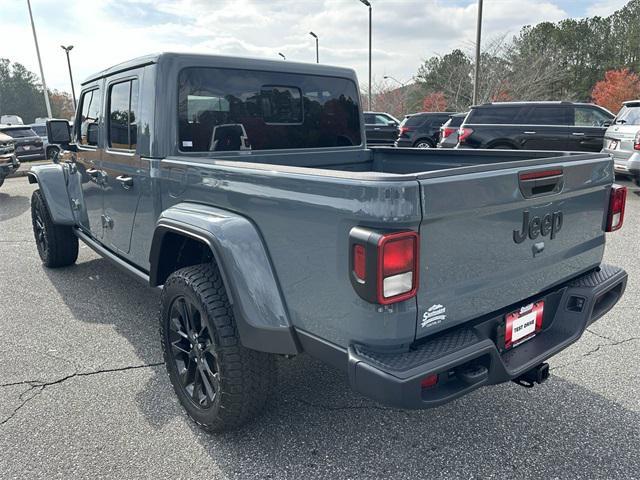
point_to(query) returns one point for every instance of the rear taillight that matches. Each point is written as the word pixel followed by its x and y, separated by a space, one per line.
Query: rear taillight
pixel 405 130
pixel 617 201
pixel 636 141
pixel 384 266
pixel 447 131
pixel 463 133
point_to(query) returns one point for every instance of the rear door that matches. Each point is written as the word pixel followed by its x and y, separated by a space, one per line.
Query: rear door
pixel 380 129
pixel 482 242
pixel 588 126
pixel 546 128
pixel 120 163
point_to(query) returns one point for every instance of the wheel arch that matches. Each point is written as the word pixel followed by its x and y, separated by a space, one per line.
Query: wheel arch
pixel 52 181
pixel 234 244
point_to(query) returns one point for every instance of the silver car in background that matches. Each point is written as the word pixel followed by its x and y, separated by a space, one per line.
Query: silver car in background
pixel 622 140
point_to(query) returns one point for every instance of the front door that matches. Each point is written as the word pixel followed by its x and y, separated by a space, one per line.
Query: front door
pixel 88 159
pixel 121 163
pixel 588 128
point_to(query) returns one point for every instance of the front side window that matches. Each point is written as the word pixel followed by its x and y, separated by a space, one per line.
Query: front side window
pixel 89 117
pixel 231 110
pixel 590 117
pixel 123 108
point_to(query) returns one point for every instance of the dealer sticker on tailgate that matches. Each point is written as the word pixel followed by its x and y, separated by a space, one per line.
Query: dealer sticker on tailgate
pixel 523 324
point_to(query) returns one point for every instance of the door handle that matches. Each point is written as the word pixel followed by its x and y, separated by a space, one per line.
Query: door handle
pixel 578 134
pixel 529 133
pixel 376 128
pixel 126 182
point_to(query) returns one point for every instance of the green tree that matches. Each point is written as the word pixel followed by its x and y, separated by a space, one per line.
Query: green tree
pixel 20 92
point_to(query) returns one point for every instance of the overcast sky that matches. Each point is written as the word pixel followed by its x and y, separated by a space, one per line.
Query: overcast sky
pixel 405 32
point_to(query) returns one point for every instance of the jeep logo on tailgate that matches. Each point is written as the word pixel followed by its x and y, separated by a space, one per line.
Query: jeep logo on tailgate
pixel 551 223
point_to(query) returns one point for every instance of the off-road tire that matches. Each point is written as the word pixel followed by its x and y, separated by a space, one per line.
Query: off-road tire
pixel 57 245
pixel 246 377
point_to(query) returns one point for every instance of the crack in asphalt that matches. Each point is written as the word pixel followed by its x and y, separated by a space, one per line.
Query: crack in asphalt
pixel 598 347
pixel 36 387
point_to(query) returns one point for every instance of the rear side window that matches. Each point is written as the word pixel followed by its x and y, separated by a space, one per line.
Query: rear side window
pixel 123 109
pixel 89 115
pixel 230 110
pixel 629 116
pixel 495 115
pixel 548 115
pixel 456 121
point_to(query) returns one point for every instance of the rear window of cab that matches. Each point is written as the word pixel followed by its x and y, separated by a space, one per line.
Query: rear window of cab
pixel 232 110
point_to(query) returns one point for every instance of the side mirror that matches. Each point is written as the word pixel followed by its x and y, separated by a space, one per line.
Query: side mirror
pixel 607 123
pixel 58 132
pixel 92 134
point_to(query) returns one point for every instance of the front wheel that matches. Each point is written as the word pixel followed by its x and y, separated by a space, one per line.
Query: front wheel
pixel 220 383
pixel 57 245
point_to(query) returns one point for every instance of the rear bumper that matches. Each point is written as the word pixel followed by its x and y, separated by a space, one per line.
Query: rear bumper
pixel 395 378
pixel 404 143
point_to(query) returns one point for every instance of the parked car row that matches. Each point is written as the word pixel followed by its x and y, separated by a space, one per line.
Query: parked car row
pixel 28 144
pixel 565 126
pixel 8 160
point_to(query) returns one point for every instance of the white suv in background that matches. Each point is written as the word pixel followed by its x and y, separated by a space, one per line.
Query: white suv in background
pixel 622 140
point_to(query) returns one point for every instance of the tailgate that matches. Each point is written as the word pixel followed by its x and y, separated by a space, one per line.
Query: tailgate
pixel 477 251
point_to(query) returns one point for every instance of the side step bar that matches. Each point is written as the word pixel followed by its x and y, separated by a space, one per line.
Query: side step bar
pixel 119 262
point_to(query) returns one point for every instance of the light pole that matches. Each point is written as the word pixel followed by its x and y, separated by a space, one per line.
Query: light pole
pixel 44 84
pixel 317 51
pixel 73 90
pixel 389 77
pixel 368 4
pixel 476 74
pixel 282 55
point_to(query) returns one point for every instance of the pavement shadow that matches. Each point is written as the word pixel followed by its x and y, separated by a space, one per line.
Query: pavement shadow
pixel 12 206
pixel 315 426
pixel 98 292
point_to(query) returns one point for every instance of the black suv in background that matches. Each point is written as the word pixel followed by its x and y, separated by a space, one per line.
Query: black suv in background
pixel 535 126
pixel 28 143
pixel 381 128
pixel 449 130
pixel 421 130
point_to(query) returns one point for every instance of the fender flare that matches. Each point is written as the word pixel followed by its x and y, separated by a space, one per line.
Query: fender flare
pixel 52 181
pixel 237 247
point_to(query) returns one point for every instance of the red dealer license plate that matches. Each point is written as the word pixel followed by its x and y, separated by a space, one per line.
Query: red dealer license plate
pixel 523 324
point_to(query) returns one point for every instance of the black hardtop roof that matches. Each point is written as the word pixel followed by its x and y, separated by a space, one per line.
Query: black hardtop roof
pixel 224 61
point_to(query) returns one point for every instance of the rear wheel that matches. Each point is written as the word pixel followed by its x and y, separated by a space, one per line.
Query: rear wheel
pixel 220 383
pixel 423 144
pixel 57 245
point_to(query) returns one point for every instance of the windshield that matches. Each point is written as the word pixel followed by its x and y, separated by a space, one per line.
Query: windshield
pixel 230 110
pixel 629 115
pixel 20 132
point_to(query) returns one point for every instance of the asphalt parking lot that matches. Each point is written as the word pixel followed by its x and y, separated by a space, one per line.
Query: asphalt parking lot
pixel 84 392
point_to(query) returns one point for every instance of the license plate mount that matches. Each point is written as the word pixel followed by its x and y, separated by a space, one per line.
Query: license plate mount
pixel 523 324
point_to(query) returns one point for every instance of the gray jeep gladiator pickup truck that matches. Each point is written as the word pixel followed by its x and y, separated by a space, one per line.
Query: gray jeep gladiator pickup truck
pixel 244 188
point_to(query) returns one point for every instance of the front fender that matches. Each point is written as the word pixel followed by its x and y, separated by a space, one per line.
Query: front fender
pixel 259 309
pixel 52 181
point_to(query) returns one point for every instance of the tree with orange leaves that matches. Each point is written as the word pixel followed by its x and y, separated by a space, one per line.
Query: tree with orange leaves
pixel 434 102
pixel 617 87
